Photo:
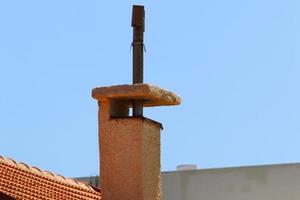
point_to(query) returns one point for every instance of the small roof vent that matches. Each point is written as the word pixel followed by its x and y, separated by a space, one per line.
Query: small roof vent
pixel 186 167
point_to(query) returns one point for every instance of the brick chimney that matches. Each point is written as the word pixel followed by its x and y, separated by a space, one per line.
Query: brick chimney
pixel 130 145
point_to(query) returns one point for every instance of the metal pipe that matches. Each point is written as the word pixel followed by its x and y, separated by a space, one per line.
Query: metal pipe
pixel 138 24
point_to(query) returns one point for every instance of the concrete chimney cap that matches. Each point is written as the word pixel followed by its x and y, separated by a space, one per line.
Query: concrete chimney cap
pixel 151 95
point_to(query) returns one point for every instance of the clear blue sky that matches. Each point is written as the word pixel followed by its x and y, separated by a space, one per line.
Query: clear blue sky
pixel 235 64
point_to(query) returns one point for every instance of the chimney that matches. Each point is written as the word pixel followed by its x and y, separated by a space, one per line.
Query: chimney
pixel 130 145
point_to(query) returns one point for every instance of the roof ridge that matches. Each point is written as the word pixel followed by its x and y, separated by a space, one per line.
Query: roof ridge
pixel 46 174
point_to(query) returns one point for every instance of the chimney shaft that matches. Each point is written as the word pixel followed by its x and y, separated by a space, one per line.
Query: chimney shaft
pixel 130 146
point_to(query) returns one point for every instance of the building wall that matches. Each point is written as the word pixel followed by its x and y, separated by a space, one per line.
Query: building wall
pixel 273 182
pixel 270 182
pixel 91 180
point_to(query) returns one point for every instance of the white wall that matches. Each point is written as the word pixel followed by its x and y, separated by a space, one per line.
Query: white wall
pixel 273 182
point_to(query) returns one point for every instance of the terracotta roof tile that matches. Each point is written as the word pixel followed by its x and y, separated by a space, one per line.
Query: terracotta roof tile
pixel 21 181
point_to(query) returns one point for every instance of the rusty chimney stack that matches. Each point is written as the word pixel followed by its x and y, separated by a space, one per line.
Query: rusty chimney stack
pixel 130 145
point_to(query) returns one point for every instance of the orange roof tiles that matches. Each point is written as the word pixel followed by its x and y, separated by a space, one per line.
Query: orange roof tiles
pixel 21 181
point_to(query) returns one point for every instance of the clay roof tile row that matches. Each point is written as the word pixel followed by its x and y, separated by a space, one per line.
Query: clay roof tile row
pixel 24 182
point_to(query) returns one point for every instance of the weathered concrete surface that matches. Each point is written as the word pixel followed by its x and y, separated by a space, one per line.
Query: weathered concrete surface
pixel 130 159
pixel 151 95
pixel 270 182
